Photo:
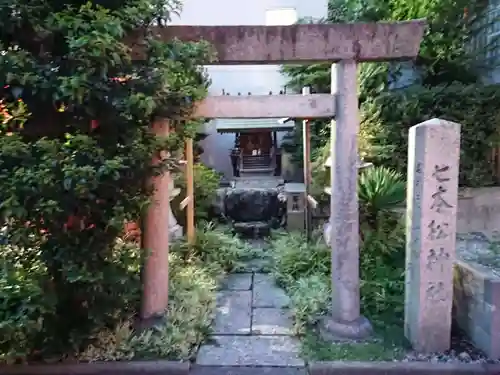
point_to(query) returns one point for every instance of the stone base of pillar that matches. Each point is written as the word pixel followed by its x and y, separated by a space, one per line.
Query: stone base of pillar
pixel 175 232
pixel 156 321
pixel 332 330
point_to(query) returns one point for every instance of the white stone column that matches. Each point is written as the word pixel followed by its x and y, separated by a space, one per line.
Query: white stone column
pixel 432 195
pixel 345 321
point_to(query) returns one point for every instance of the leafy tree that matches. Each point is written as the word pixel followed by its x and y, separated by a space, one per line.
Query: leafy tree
pixel 446 55
pixel 76 148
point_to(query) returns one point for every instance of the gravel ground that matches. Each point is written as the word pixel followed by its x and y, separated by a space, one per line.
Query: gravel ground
pixel 462 351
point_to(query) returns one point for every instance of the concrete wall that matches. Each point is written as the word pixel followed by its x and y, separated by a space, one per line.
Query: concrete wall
pixel 479 210
pixel 476 306
pixel 244 79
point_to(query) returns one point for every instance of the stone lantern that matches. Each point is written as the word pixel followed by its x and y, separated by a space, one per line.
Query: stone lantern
pixel 361 165
pixel 174 229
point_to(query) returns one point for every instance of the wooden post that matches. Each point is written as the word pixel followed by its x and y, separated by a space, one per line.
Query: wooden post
pixel 306 135
pixel 156 242
pixel 190 191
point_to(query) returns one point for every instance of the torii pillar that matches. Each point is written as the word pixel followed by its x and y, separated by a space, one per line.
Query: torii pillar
pixel 156 243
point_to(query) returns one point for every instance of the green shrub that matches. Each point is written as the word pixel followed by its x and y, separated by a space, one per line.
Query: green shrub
pixel 215 245
pixel 293 258
pixel 206 183
pixel 382 266
pixel 28 302
pixel 304 270
pixel 309 299
pixel 75 154
pixel 190 314
pixel 382 250
pixel 380 191
pixel 387 118
pixel 31 324
pixel 24 303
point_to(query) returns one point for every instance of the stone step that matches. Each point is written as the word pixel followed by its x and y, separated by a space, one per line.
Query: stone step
pixel 257 160
pixel 261 169
pixel 256 166
pixel 252 229
pixel 257 173
pixel 263 163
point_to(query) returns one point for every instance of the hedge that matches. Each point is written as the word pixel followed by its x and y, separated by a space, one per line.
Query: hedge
pixel 385 121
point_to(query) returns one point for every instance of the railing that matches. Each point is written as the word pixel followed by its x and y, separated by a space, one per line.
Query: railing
pixel 247 163
pixel 263 160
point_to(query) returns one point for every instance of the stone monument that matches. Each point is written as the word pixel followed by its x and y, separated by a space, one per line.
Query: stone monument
pixel 432 195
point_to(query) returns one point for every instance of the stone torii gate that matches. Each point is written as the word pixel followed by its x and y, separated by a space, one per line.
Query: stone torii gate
pixel 344 44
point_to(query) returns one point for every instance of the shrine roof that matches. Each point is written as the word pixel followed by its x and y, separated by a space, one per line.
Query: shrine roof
pixel 238 125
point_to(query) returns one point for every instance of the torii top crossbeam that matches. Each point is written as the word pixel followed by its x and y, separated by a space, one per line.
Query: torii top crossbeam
pixel 308 43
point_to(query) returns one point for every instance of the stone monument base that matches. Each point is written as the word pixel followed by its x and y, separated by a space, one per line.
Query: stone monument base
pixel 332 330
pixel 175 232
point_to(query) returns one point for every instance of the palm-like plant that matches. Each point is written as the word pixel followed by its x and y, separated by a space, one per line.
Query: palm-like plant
pixel 380 191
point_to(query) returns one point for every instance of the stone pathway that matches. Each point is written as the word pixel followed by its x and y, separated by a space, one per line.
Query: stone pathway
pixel 253 326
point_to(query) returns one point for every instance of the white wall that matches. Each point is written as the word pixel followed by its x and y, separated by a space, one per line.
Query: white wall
pixel 257 79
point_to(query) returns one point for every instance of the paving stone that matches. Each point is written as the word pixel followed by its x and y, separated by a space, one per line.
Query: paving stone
pixel 251 351
pixel 238 281
pixel 259 244
pixel 234 313
pixel 266 293
pixel 271 321
pixel 257 265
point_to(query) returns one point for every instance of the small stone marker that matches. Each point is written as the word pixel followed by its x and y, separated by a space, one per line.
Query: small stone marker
pixel 296 203
pixel 433 164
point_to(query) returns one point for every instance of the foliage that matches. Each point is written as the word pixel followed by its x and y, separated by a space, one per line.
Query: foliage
pixel 24 303
pixel 445 55
pixel 309 297
pixel 316 349
pixel 380 190
pixel 31 321
pixel 28 304
pixel 206 182
pixel 382 265
pixel 215 245
pixel 450 54
pixel 305 270
pixel 387 118
pixel 190 313
pixel 67 75
pixel 293 258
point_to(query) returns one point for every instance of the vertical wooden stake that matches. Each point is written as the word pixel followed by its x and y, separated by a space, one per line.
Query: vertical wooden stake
pixel 190 191
pixel 156 242
pixel 306 135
